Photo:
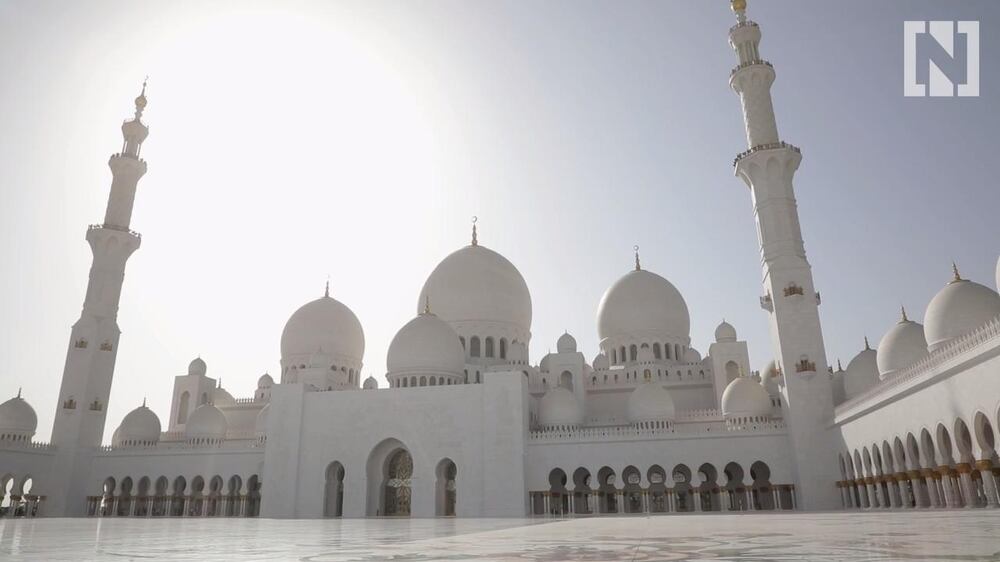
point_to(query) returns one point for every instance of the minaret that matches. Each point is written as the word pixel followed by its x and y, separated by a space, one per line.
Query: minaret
pixel 93 346
pixel 790 298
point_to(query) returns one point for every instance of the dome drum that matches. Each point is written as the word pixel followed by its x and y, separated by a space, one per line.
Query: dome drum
pixel 619 350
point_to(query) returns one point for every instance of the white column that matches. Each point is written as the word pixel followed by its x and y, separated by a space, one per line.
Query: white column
pixel 932 492
pixel 989 483
pixel 968 489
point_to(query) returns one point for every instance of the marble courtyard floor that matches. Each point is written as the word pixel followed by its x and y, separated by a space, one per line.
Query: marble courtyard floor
pixel 816 537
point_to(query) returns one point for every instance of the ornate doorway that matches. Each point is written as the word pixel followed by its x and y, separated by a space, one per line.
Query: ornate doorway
pixel 397 484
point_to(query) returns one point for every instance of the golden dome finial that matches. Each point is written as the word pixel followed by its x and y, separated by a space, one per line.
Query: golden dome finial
pixel 902 310
pixel 427 304
pixel 738 5
pixel 954 270
pixel 636 250
pixel 475 235
pixel 867 345
pixel 326 292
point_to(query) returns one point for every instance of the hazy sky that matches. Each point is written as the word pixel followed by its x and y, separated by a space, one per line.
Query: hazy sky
pixel 294 140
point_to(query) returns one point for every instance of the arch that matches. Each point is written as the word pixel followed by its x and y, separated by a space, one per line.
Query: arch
pixel 233 495
pixel 614 356
pixel 683 491
pixel 182 410
pixel 503 348
pixel 985 437
pixel 177 499
pixel 107 496
pixel 446 487
pixel 488 345
pixel 633 352
pixel 558 494
pixel 253 496
pixel 6 493
pixel 761 490
pixel 944 444
pixel 736 492
pixel 963 441
pixel 160 506
pixel 622 357
pixel 709 488
pixel 214 500
pixel 732 371
pixel 657 478
pixel 607 493
pixel 566 380
pixel 632 490
pixel 930 451
pixel 333 506
pixel 582 491
pixel 474 347
pixel 657 354
pixel 385 486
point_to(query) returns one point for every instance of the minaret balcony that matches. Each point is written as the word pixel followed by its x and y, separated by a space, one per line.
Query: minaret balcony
pixel 115 228
pixel 762 147
pixel 748 64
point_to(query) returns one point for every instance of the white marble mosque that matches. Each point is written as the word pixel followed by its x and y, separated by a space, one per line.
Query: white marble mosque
pixel 651 423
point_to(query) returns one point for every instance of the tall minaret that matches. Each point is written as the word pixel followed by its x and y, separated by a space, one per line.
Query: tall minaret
pixel 93 345
pixel 790 298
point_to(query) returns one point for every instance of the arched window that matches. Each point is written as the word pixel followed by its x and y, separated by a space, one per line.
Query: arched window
pixel 489 347
pixel 621 354
pixel 423 380
pixel 503 348
pixel 656 351
pixel 566 380
pixel 474 346
pixel 182 411
pixel 614 356
pixel 633 352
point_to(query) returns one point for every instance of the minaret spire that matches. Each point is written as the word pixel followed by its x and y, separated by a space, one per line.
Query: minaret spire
pixel 93 342
pixel 475 236
pixel 768 168
pixel 902 311
pixel 636 250
pixel 955 273
pixel 326 291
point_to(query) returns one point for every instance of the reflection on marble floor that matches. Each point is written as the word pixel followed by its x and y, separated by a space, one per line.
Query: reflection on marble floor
pixel 922 536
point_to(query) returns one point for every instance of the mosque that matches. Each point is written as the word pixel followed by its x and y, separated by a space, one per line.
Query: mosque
pixel 650 424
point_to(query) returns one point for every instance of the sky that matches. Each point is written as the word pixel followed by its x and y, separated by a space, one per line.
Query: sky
pixel 296 141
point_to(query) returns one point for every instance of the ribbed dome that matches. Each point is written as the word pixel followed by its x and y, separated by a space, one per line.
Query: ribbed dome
pixel 207 422
pixel 725 333
pixel 643 302
pixel 265 381
pixel 601 362
pixel 323 325
pixel 559 407
pixel 745 397
pixel 141 426
pixel 197 367
pixel 370 383
pixel 543 365
pixel 862 372
pixel 960 307
pixel 566 344
pixel 650 402
pixel 260 423
pixel 903 345
pixel 17 417
pixel 478 284
pixel 426 344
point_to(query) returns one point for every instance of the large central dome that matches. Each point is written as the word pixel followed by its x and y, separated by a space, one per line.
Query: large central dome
pixel 642 302
pixel 479 285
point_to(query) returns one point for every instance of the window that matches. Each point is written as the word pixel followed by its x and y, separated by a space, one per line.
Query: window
pixel 474 346
pixel 503 348
pixel 633 352
pixel 489 347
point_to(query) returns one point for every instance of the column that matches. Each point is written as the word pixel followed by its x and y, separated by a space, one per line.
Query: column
pixel 873 498
pixel 932 491
pixel 946 487
pixel 545 504
pixel 968 489
pixel 893 495
pixel 776 493
pixel 187 503
pixel 985 468
pixel 595 502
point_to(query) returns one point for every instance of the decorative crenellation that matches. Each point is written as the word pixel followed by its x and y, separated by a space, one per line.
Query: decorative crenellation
pixel 793 289
pixel 69 404
pixel 106 346
pixel 80 344
pixel 96 406
pixel 805 366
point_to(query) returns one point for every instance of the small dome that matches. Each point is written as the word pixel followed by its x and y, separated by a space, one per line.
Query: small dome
pixel 260 423
pixel 862 372
pixel 650 402
pixel 566 344
pixel 370 383
pixel 959 308
pixel 324 325
pixel 221 397
pixel 477 284
pixel 725 333
pixel 426 344
pixel 17 417
pixel 543 366
pixel 745 397
pixel 692 356
pixel 206 423
pixel 559 407
pixel 601 362
pixel 903 345
pixel 197 367
pixel 265 381
pixel 141 426
pixel 642 302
